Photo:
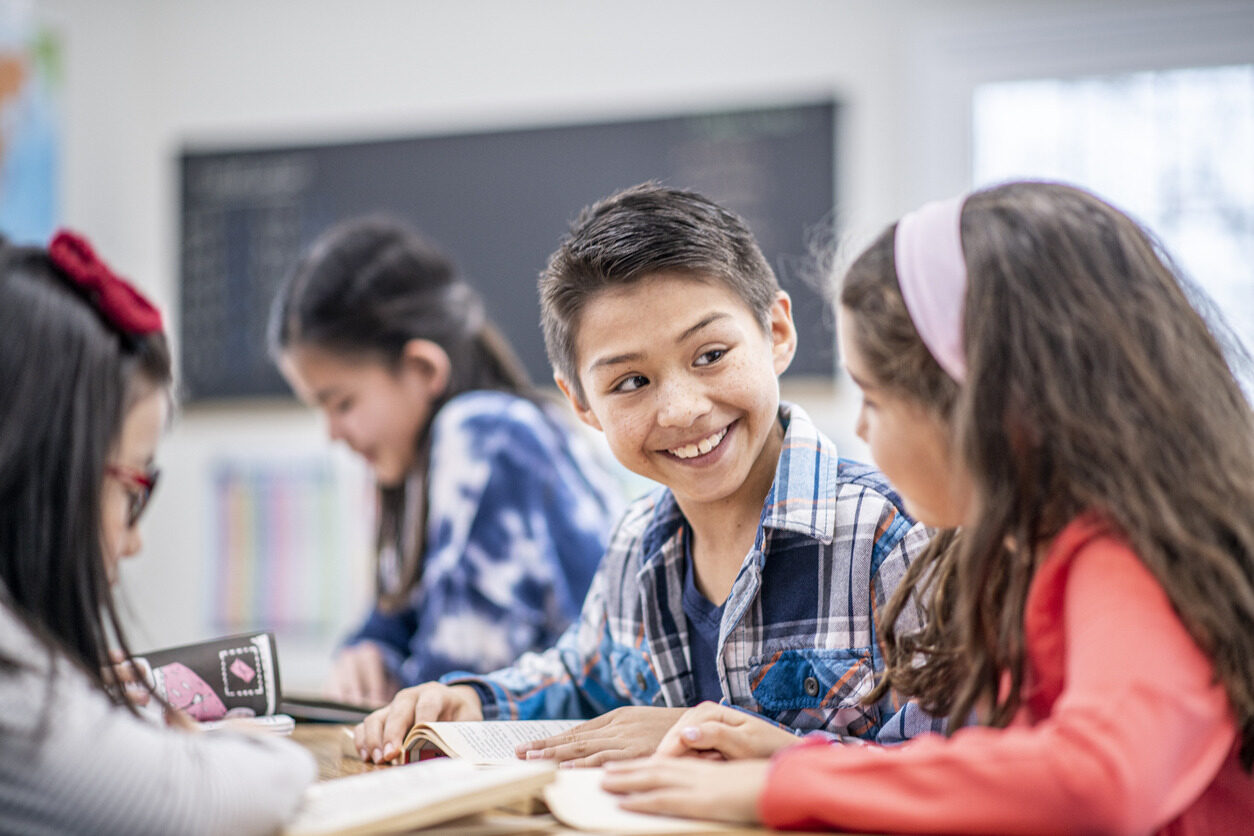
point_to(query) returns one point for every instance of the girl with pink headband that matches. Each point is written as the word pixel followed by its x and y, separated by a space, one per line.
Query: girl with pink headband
pixel 1038 386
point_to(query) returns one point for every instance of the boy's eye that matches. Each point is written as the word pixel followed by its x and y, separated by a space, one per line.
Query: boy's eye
pixel 711 356
pixel 344 406
pixel 631 384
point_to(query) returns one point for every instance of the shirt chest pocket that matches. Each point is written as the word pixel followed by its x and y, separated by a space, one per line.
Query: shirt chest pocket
pixel 807 678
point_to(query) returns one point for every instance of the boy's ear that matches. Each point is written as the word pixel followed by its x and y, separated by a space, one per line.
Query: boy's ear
pixel 430 362
pixel 783 332
pixel 581 409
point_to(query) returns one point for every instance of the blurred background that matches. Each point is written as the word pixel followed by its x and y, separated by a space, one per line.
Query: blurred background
pixel 201 144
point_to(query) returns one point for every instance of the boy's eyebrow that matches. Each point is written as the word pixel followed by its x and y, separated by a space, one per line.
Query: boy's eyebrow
pixel 635 355
pixel 694 329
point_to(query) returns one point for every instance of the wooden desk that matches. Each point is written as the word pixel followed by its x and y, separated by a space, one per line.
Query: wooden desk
pixel 323 742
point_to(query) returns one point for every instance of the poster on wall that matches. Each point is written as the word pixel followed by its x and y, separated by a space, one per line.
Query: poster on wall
pixel 29 131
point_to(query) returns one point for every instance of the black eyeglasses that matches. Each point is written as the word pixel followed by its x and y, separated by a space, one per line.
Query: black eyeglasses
pixel 139 487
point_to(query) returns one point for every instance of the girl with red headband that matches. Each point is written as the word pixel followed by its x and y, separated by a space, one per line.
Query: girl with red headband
pixel 84 395
pixel 1038 383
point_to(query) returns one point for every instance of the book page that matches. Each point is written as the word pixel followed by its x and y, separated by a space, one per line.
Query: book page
pixel 405 797
pixel 490 741
pixel 576 799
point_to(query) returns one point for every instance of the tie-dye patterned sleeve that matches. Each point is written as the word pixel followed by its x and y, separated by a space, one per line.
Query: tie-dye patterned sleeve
pixel 517 520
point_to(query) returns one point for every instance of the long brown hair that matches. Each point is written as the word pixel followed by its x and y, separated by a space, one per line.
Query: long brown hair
pixel 364 289
pixel 1093 384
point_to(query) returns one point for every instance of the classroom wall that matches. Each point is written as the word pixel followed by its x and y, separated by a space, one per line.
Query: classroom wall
pixel 143 77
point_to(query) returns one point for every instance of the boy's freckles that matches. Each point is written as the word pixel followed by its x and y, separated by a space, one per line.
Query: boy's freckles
pixel 681 377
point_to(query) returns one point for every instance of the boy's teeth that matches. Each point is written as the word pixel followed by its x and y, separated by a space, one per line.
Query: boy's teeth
pixel 701 447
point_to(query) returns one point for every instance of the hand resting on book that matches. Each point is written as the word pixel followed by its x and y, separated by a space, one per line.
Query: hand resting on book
pixel 632 731
pixel 713 730
pixel 690 787
pixel 378 738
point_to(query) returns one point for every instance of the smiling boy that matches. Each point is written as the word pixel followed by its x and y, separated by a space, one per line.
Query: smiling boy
pixel 753 575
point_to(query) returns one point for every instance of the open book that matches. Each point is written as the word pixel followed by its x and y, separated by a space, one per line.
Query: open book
pixel 408 797
pixel 481 742
pixel 577 800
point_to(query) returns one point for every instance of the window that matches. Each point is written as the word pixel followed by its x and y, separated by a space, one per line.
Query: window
pixel 1173 148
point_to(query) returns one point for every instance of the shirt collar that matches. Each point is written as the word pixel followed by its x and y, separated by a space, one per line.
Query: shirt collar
pixel 802 497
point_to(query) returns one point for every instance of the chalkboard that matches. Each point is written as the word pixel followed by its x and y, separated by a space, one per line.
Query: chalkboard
pixel 498 203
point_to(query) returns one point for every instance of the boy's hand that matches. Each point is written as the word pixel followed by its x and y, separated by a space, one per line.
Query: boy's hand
pixel 632 731
pixel 711 729
pixel 378 738
pixel 359 676
pixel 690 787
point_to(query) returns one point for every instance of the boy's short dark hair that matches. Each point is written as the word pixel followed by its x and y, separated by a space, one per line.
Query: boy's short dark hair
pixel 639 232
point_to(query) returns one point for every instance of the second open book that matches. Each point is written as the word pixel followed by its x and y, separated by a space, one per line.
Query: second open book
pixel 480 742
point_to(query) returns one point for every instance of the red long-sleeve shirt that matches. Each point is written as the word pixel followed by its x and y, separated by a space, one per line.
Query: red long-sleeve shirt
pixel 1123 728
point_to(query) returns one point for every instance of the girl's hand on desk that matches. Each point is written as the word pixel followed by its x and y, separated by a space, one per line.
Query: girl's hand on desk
pixel 632 731
pixel 378 738
pixel 713 729
pixel 359 676
pixel 689 787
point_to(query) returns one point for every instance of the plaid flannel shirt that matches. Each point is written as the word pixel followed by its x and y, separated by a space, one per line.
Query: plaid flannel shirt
pixel 797 643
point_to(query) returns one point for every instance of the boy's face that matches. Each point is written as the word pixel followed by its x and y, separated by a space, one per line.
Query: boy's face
pixel 683 381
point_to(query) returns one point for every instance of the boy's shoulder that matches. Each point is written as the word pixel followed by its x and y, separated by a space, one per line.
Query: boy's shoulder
pixel 858 477
pixel 811 475
pixel 641 513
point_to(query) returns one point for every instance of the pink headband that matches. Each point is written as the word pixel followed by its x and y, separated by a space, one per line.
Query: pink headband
pixel 932 274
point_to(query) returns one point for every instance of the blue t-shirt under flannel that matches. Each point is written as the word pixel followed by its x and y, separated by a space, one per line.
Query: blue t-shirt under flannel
pixel 705 618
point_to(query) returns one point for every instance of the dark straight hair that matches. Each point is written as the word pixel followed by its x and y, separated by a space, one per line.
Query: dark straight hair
pixel 639 232
pixel 67 380
pixel 363 290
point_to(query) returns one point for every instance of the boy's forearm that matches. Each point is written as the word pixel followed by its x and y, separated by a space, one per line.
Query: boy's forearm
pixel 539 686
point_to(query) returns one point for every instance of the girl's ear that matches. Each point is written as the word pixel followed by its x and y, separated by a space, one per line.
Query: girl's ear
pixel 581 409
pixel 430 363
pixel 783 332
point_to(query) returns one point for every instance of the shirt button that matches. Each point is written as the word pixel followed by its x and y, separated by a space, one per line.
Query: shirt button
pixel 641 682
pixel 812 686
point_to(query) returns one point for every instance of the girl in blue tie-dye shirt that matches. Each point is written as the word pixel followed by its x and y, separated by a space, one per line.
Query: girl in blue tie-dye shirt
pixel 494 509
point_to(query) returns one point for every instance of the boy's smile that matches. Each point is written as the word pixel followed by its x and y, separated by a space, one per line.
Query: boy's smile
pixel 683 381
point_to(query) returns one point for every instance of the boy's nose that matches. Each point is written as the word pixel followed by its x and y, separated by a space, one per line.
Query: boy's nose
pixel 680 406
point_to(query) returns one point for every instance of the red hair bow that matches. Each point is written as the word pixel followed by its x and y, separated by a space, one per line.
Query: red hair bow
pixel 122 305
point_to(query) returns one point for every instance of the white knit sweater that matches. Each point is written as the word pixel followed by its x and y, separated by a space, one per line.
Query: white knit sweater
pixel 73 762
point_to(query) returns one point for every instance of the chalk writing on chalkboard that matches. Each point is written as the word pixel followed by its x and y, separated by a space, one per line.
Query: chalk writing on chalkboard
pixel 498 203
